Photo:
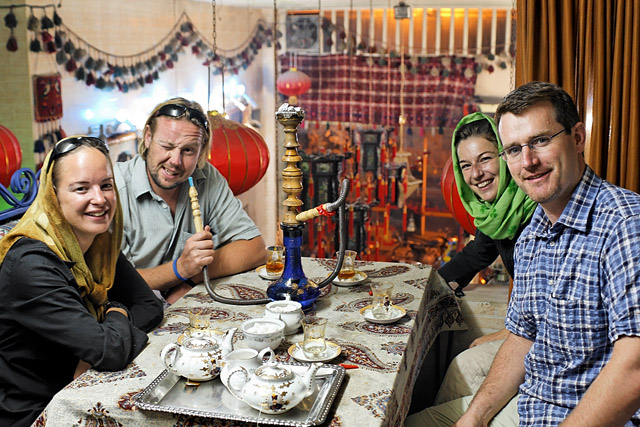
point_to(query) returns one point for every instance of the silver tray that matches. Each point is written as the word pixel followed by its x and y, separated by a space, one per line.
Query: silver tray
pixel 211 399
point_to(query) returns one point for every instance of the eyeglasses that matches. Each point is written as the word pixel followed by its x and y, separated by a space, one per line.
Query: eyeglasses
pixel 512 153
pixel 66 145
pixel 178 110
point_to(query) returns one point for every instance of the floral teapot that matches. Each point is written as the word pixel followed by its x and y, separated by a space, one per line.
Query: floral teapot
pixel 199 357
pixel 273 388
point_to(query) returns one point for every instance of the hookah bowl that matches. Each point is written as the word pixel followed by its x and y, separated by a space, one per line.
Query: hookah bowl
pixel 293 284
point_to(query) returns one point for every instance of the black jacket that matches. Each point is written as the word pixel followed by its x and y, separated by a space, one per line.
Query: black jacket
pixel 477 255
pixel 45 328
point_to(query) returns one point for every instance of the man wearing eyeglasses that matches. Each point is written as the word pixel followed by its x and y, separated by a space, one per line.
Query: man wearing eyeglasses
pixel 573 352
pixel 159 231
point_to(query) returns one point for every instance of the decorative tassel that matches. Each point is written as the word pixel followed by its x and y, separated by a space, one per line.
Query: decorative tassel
pixel 10 20
pixel 101 83
pixel 35 46
pixel 12 43
pixel 91 79
pixel 33 23
pixel 58 38
pixel 46 22
pixel 46 36
pixel 51 47
pixel 56 18
pixel 404 218
pixel 80 74
pixel 392 200
pixel 69 47
pixel 79 54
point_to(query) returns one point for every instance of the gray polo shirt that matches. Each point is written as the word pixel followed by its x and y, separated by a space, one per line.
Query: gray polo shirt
pixel 152 236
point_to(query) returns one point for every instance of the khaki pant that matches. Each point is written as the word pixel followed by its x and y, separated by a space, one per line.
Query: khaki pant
pixel 467 371
pixel 447 414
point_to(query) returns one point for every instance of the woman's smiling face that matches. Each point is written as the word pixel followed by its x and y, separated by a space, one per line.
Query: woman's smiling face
pixel 86 193
pixel 480 164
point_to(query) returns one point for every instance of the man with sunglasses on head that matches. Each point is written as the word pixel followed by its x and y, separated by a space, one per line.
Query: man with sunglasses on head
pixel 572 355
pixel 159 231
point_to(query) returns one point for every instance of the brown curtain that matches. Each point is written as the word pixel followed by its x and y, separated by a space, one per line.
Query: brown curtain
pixel 591 48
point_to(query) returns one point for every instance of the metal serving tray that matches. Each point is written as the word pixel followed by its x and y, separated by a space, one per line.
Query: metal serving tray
pixel 211 399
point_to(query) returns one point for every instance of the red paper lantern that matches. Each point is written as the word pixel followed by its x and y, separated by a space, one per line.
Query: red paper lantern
pixel 452 198
pixel 10 155
pixel 238 152
pixel 293 83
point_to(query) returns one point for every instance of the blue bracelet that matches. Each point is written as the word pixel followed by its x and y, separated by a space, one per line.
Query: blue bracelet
pixel 175 270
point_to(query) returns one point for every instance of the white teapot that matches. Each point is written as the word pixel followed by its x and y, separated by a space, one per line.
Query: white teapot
pixel 199 357
pixel 249 358
pixel 273 388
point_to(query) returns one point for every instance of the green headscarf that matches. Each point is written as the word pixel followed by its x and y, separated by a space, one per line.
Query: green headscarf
pixel 511 208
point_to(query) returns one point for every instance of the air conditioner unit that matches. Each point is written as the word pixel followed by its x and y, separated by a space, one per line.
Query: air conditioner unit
pixel 402 11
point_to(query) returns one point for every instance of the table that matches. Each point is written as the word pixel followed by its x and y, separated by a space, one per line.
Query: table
pixel 377 393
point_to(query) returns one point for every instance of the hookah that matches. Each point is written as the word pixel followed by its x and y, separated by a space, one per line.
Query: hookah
pixel 293 284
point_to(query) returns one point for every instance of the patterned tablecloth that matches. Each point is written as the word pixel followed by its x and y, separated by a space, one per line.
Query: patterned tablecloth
pixel 377 393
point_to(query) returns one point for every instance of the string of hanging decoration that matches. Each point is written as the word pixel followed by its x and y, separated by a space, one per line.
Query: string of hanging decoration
pixel 108 71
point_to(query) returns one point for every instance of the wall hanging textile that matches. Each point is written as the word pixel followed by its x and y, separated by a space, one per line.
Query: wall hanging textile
pixel 48 97
pixel 366 89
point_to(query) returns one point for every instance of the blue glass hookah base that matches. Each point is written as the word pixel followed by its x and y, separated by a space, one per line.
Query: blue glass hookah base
pixel 293 284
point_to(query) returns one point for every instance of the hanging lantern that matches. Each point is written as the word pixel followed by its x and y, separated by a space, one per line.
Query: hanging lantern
pixel 10 155
pixel 293 83
pixel 238 152
pixel 452 198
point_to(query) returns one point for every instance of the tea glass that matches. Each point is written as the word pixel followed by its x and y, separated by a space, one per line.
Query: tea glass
pixel 199 320
pixel 314 343
pixel 382 307
pixel 348 271
pixel 275 260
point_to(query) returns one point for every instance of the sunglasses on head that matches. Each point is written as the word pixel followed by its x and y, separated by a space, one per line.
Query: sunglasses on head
pixel 66 145
pixel 179 110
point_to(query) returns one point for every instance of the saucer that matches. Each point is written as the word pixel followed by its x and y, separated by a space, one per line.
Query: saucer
pixel 396 314
pixel 262 272
pixel 332 351
pixel 357 279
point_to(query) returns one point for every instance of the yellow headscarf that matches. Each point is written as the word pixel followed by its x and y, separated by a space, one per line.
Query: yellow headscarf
pixel 44 221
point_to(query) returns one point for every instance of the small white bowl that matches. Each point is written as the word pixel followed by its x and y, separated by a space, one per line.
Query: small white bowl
pixel 263 332
pixel 290 312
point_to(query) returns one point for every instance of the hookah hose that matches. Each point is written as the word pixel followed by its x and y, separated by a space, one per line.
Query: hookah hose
pixel 197 219
pixel 329 209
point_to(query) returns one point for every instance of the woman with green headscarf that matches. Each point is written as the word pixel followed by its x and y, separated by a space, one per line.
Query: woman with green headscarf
pixel 501 211
pixel 499 207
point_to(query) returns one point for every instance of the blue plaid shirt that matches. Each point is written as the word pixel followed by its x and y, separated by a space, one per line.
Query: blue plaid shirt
pixel 576 291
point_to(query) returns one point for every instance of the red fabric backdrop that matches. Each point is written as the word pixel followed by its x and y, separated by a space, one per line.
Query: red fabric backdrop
pixel 360 89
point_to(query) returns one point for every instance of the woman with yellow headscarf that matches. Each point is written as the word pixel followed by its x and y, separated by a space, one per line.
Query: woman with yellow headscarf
pixel 69 300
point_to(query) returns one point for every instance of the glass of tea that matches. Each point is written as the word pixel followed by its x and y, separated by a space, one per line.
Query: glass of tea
pixel 348 270
pixel 275 260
